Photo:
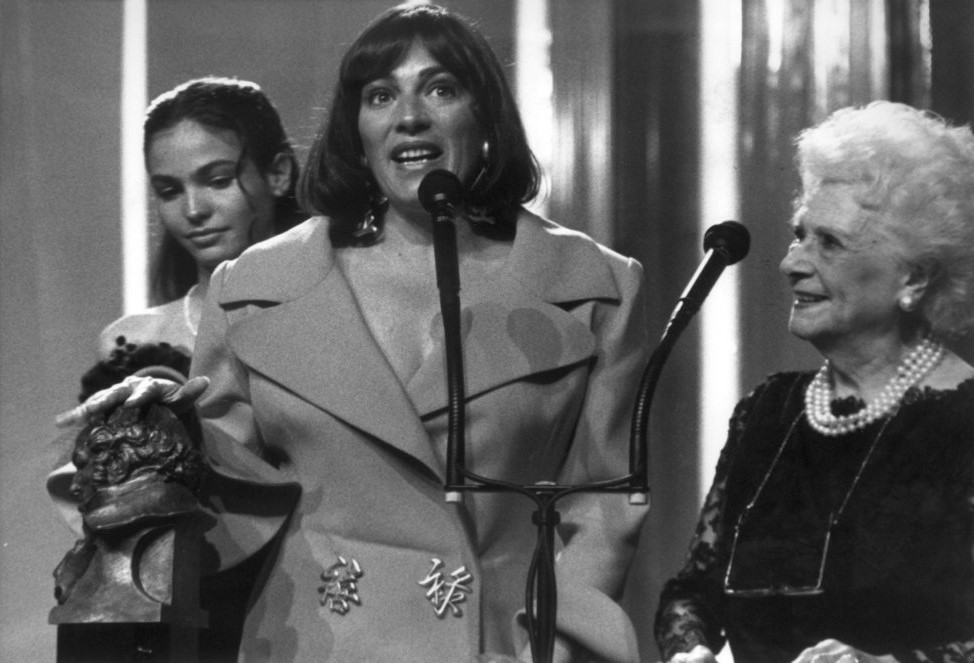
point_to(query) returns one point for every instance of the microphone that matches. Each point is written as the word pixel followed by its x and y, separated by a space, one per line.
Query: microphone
pixel 439 193
pixel 725 244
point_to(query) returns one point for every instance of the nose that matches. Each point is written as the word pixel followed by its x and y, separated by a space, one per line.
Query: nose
pixel 795 262
pixel 413 117
pixel 196 205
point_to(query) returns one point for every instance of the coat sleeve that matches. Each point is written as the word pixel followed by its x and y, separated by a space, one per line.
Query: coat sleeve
pixel 224 409
pixel 600 530
pixel 251 498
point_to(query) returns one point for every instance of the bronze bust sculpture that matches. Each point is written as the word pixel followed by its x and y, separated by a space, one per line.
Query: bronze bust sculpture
pixel 137 480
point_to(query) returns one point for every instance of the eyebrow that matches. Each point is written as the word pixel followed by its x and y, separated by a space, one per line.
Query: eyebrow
pixel 424 75
pixel 203 170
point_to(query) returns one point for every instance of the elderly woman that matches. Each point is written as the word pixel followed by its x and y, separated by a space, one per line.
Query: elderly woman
pixel 323 352
pixel 838 527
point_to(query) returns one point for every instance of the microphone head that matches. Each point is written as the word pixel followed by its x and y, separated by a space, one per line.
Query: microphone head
pixel 439 188
pixel 730 238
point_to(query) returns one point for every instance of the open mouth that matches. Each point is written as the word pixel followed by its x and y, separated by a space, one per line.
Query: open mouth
pixel 416 154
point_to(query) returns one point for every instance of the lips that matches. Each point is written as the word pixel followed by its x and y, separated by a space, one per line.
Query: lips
pixel 205 236
pixel 414 153
pixel 808 298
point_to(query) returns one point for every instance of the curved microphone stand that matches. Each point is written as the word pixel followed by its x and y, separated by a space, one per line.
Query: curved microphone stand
pixel 440 192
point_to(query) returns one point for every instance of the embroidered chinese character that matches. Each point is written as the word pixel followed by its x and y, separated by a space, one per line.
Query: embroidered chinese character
pixel 340 587
pixel 446 593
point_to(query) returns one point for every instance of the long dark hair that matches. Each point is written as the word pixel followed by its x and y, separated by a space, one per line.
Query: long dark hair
pixel 226 104
pixel 338 183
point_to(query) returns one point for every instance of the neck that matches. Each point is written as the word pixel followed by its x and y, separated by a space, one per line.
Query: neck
pixel 862 379
pixel 410 232
pixel 203 279
pixel 864 368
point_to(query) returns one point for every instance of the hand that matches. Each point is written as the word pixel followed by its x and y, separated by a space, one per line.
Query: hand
pixel 699 654
pixel 833 651
pixel 135 391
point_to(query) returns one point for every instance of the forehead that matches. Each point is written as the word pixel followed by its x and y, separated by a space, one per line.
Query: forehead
pixel 833 205
pixel 416 61
pixel 189 144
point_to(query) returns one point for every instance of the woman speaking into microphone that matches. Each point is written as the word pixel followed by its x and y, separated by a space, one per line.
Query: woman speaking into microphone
pixel 323 355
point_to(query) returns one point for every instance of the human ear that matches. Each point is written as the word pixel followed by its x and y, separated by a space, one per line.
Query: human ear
pixel 279 174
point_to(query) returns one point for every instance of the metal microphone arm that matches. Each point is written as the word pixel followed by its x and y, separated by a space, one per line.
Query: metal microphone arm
pixel 439 193
pixel 725 244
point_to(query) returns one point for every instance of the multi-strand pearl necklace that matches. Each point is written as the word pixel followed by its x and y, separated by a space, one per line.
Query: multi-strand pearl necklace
pixel 819 395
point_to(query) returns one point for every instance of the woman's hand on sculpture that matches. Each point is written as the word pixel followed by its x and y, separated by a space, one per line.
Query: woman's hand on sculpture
pixel 699 654
pixel 833 651
pixel 135 391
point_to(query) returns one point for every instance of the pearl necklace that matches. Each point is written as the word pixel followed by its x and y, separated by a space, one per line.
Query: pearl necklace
pixel 187 318
pixel 818 396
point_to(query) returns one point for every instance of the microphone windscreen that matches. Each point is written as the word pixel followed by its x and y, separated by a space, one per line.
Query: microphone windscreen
pixel 439 187
pixel 730 238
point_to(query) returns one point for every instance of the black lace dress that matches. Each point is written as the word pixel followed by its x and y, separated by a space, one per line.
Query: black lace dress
pixel 898 570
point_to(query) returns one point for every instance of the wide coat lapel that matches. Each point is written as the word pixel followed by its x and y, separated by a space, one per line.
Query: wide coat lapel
pixel 294 319
pixel 305 332
pixel 520 324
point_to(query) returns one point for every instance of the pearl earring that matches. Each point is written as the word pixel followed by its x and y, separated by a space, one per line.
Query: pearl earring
pixel 907 303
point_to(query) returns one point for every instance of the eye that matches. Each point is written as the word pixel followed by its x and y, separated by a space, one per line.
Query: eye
pixel 166 191
pixel 220 181
pixel 829 241
pixel 376 96
pixel 444 90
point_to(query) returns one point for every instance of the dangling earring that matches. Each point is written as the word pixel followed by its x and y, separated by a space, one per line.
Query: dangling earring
pixel 907 303
pixel 476 213
pixel 367 230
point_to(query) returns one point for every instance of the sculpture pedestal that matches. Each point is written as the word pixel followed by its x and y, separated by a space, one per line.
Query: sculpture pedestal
pixel 126 643
pixel 138 598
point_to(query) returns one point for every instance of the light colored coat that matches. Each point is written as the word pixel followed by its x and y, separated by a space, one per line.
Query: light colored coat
pixel 554 347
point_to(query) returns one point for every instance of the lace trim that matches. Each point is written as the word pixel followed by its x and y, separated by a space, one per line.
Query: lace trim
pixel 685 617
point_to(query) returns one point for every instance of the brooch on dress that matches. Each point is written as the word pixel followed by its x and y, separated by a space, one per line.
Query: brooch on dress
pixel 340 588
pixel 446 592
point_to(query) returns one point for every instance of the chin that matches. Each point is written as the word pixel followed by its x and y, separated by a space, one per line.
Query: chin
pixel 802 329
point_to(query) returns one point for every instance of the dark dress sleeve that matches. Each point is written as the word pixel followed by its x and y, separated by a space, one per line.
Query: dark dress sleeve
pixel 951 652
pixel 687 614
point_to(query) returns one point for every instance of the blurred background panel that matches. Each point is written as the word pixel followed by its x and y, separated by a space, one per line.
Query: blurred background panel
pixel 654 119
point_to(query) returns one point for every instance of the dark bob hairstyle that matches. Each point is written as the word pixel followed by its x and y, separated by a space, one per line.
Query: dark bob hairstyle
pixel 222 104
pixel 338 183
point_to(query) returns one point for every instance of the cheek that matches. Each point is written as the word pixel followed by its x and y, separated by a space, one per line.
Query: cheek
pixel 169 215
pixel 367 133
pixel 240 214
